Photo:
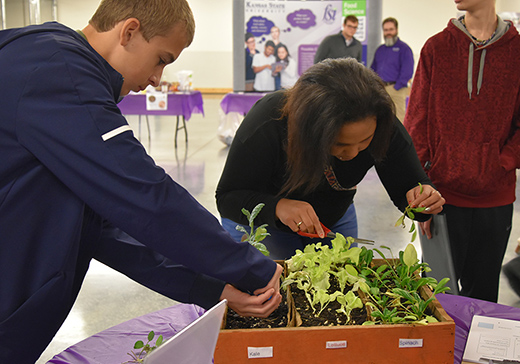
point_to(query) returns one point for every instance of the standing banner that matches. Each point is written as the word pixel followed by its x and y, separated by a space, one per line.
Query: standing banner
pixel 297 26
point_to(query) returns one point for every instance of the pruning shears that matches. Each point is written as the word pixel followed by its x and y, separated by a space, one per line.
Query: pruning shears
pixel 330 234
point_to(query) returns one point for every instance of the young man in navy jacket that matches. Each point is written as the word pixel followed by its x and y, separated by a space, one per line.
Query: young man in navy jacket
pixel 75 184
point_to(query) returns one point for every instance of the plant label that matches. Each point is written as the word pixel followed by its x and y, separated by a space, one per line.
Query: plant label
pixel 336 344
pixel 262 352
pixel 410 343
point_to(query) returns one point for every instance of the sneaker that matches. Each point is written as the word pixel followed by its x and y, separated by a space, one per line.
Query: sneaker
pixel 512 272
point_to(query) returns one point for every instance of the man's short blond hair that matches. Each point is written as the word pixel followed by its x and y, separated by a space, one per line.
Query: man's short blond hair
pixel 157 17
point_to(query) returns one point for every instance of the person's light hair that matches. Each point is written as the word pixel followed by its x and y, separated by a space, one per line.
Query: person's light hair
pixel 157 17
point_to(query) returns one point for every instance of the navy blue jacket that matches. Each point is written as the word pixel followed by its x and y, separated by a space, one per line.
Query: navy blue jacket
pixel 75 185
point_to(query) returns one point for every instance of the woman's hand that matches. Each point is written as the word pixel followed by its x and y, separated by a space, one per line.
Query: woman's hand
pixel 299 216
pixel 263 304
pixel 426 228
pixel 430 198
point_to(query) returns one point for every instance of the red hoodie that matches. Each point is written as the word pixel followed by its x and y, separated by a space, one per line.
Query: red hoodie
pixel 464 115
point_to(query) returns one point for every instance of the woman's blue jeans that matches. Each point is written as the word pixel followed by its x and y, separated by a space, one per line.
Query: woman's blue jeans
pixel 282 245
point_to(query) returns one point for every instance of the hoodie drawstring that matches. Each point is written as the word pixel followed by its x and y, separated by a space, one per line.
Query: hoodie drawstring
pixel 470 69
pixel 481 70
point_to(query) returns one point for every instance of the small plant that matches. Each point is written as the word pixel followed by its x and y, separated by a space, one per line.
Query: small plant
pixel 145 348
pixel 394 289
pixel 410 212
pixel 312 269
pixel 255 236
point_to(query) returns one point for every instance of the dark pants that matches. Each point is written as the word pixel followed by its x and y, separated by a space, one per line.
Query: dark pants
pixel 478 239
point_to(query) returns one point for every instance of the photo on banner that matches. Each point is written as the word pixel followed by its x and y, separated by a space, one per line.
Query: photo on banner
pixel 281 38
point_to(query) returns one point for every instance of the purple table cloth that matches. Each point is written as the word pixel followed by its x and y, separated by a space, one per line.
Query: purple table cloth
pixel 112 345
pixel 240 102
pixel 179 104
pixel 462 309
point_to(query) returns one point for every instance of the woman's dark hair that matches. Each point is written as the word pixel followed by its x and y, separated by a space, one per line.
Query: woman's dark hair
pixel 288 54
pixel 269 43
pixel 327 96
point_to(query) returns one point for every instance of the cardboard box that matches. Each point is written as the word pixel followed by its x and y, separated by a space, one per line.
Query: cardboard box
pixel 402 343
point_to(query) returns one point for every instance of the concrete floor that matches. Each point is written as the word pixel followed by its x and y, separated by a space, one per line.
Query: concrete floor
pixel 109 298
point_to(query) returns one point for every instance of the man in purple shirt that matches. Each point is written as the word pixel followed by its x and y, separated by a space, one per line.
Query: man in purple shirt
pixel 393 62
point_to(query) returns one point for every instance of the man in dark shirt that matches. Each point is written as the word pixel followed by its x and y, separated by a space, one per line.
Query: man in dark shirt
pixel 343 44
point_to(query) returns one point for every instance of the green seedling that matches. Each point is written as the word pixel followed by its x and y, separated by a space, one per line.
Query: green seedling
pixel 254 236
pixel 395 289
pixel 138 357
pixel 410 212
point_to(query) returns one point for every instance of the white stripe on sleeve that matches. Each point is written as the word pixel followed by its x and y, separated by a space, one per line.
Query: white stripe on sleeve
pixel 115 132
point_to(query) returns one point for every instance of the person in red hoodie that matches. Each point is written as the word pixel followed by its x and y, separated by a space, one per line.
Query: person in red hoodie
pixel 463 116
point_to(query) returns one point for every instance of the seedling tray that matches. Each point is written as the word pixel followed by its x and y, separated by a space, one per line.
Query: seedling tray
pixel 401 343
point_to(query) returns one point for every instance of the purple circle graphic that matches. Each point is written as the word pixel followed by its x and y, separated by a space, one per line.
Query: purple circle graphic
pixel 303 18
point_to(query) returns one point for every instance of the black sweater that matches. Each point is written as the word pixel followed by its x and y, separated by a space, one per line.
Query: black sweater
pixel 255 170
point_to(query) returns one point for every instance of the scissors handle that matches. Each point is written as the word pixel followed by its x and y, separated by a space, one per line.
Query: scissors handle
pixel 326 230
pixel 330 234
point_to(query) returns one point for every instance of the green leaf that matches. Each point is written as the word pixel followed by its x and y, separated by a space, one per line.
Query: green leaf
pixel 256 211
pixel 414 235
pixel 241 229
pixel 151 334
pixel 410 255
pixel 262 248
pixel 138 344
pixel 421 190
pixel 410 214
pixel 261 233
pixel 431 319
pixel 399 221
pixel 248 215
pixel 381 268
pixel 406 295
pixel 159 340
pixel 412 228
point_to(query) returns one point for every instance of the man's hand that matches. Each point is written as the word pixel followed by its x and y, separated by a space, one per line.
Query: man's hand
pixel 247 305
pixel 262 304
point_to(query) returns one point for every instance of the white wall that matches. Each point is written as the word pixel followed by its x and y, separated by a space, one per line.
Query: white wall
pixel 76 14
pixel 419 19
pixel 210 55
pixel 508 5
